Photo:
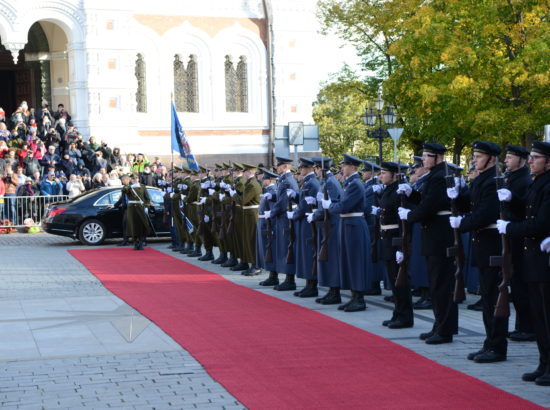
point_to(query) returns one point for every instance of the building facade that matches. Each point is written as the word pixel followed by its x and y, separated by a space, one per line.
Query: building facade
pixel 234 69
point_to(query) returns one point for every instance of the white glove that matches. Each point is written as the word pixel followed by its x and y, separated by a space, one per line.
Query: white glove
pixel 212 184
pixel 455 221
pixel 374 210
pixel 146 210
pixel 202 200
pixel 180 186
pixel 404 189
pixel 232 192
pixel 205 185
pixel 206 218
pixel 501 226
pixel 403 213
pixel 211 191
pixel 222 196
pixel 310 200
pixel 291 193
pixel 223 185
pixel 377 188
pixel 320 196
pixel 326 203
pixel 460 182
pixel 183 197
pixel 169 189
pixel 183 186
pixel 268 196
pixel 290 214
pixel 310 218
pixel 545 245
pixel 504 195
pixel 227 188
pixel 267 214
pixel 399 256
pixel 171 194
pixel 452 193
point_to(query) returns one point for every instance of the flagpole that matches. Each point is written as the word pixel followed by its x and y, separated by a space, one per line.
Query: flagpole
pixel 171 150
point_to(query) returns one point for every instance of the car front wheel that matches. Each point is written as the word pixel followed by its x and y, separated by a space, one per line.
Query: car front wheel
pixel 92 232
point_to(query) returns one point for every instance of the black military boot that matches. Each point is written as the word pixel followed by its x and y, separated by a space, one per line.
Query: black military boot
pixel 140 245
pixel 252 271
pixel 357 303
pixel 532 376
pixel 221 259
pixel 123 243
pixel 272 280
pixel 332 297
pixel 310 291
pixel 177 248
pixel 239 266
pixel 543 380
pixel 232 261
pixel 208 256
pixel 136 244
pixel 288 284
pixel 197 252
pixel 188 249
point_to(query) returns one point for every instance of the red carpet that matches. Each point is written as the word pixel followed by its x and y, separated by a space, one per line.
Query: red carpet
pixel 271 354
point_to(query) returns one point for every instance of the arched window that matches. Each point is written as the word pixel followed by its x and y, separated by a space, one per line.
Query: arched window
pixel 236 85
pixel 186 85
pixel 141 94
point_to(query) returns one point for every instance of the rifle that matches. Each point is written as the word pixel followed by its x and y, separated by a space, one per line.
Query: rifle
pixel 456 251
pixel 313 243
pixel 402 278
pixel 231 223
pixel 214 227
pixel 268 257
pixel 291 237
pixel 374 242
pixel 323 249
pixel 502 308
pixel 202 227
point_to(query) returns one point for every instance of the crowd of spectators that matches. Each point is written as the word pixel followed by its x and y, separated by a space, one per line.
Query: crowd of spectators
pixel 43 154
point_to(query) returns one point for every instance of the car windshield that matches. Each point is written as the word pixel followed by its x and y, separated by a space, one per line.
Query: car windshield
pixel 157 197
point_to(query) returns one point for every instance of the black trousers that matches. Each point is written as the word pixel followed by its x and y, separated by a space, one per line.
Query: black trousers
pixel 124 233
pixel 496 329
pixel 539 297
pixel 403 310
pixel 520 298
pixel 441 277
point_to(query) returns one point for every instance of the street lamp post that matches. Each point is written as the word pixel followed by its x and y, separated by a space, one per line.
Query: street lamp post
pixel 376 115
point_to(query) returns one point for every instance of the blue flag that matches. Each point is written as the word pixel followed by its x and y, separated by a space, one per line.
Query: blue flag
pixel 180 143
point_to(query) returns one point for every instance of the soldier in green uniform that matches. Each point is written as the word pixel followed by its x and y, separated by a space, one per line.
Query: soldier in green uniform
pixel 247 207
pixel 184 192
pixel 192 206
pixel 227 237
pixel 216 214
pixel 205 212
pixel 138 225
pixel 237 222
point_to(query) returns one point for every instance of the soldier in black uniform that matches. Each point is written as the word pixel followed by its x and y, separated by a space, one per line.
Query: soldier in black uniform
pixel 123 204
pixel 431 212
pixel 482 201
pixel 518 179
pixel 533 229
pixel 390 201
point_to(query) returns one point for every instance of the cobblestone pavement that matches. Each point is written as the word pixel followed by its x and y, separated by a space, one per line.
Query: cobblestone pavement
pixel 69 343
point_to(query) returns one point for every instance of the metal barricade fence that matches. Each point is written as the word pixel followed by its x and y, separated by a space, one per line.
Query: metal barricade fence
pixel 18 208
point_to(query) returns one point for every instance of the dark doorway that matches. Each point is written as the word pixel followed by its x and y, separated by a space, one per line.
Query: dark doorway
pixel 25 81
pixel 7 93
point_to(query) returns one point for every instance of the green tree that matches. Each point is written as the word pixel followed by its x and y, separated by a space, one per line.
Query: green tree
pixel 338 110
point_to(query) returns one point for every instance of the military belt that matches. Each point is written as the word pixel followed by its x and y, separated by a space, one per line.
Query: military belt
pixel 351 215
pixel 388 227
pixel 492 226
pixel 262 216
pixel 140 202
pixel 251 206
pixel 196 203
pixel 444 213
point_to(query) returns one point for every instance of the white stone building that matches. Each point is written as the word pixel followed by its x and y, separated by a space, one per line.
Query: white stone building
pixel 89 56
